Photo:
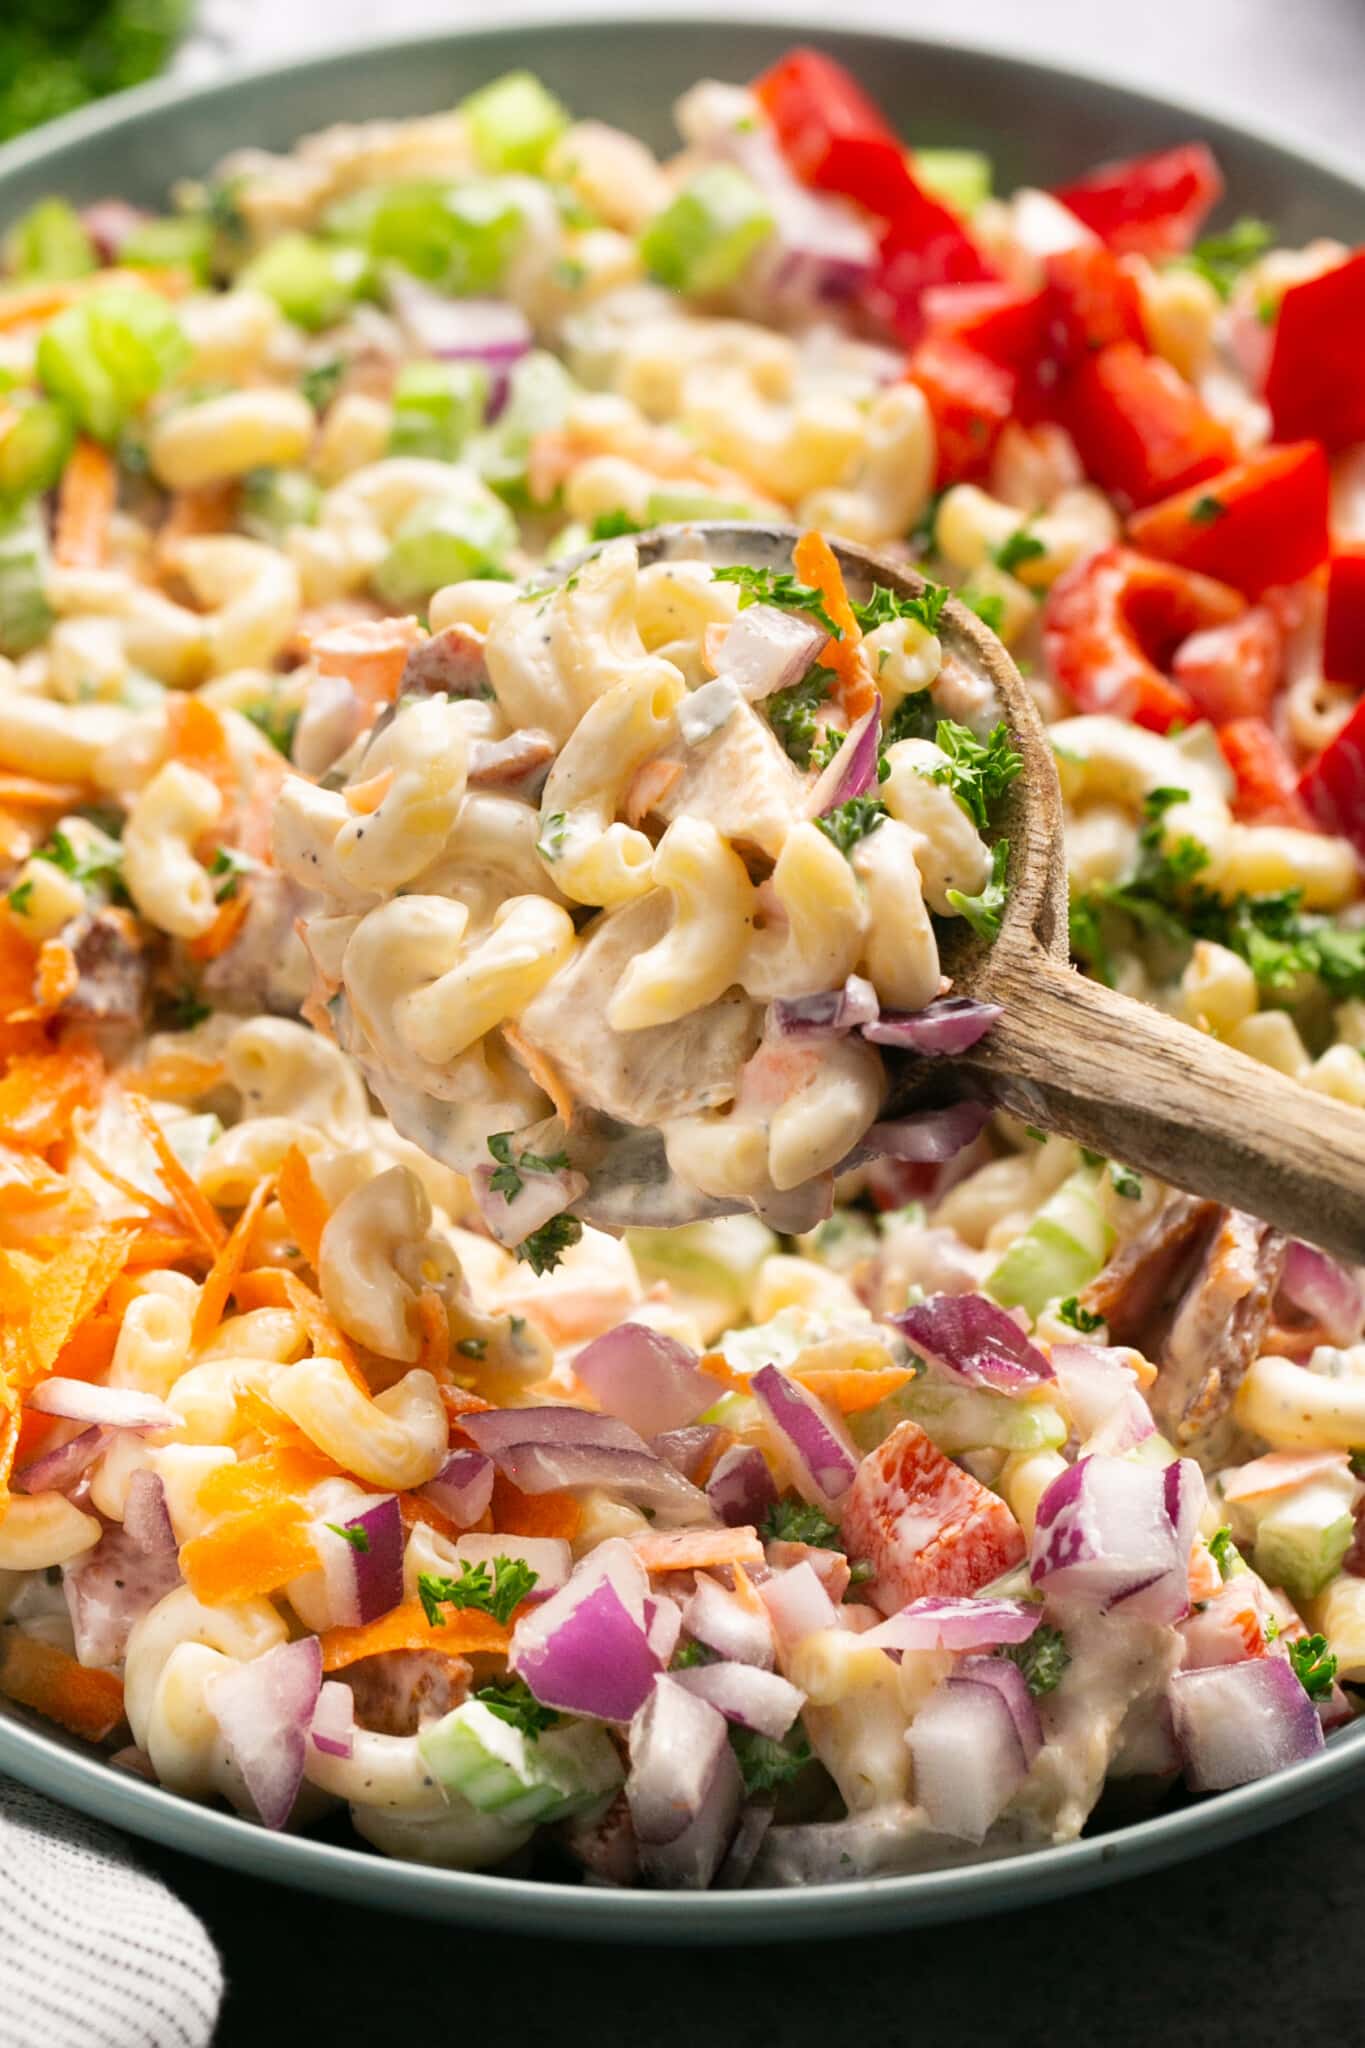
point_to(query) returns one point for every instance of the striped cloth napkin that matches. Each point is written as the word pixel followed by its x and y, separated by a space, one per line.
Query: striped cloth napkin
pixel 94 1952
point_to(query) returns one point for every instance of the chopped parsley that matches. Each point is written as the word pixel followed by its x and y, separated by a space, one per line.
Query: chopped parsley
pixel 472 1347
pixel 277 722
pixel 1224 1552
pixel 20 898
pixel 850 822
pixel 766 586
pixel 545 1247
pixel 763 1763
pixel 359 1539
pixel 689 1655
pixel 1206 509
pixel 507 1181
pixel 984 912
pixel 1021 546
pixel 320 384
pixel 860 1570
pixel 883 607
pixel 184 1011
pixel 791 714
pixel 1042 1659
pixel 1083 1319
pixel 978 772
pixel 1358 1464
pixel 498 1589
pixel 1221 259
pixel 514 1702
pixel 1126 1183
pixel 914 718
pixel 1314 1665
pixel 227 868
pixel 988 605
pixel 796 1521
pixel 98 866
pixel 550 844
pixel 611 525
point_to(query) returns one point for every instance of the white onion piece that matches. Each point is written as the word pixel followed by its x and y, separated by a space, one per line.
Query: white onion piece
pixel 1238 1722
pixel 541 1197
pixel 463 1487
pixel 798 1604
pixel 88 1401
pixel 938 1622
pixel 967 1755
pixel 767 650
pixel 663 1626
pixel 684 1789
pixel 333 1725
pixel 807 1436
pixel 717 1619
pixel 755 1699
pixel 265 1710
pixel 549 1557
pixel 487 331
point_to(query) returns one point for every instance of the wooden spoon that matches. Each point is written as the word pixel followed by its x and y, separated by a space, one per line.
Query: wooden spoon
pixel 1069 1054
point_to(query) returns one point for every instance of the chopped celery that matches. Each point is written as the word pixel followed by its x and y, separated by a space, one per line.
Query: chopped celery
pixel 182 241
pixel 1303 1536
pixel 107 355
pixel 537 400
pixel 33 453
pixel 703 239
pixel 961 178
pixel 963 1419
pixel 273 500
pixel 49 242
pixel 25 615
pixel 514 122
pixel 710 1267
pixel 457 236
pixel 662 506
pixel 311 281
pixel 464 532
pixel 473 1752
pixel 1061 1251
pixel 436 407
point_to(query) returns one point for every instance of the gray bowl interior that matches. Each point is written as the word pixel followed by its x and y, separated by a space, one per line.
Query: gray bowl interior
pixel 1040 125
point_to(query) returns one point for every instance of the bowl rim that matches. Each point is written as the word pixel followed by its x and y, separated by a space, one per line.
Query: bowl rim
pixel 86 1779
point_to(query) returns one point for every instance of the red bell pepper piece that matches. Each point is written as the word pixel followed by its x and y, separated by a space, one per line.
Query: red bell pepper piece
pixel 1154 205
pixel 1111 627
pixel 1233 671
pixel 970 398
pixel 1261 522
pixel 1140 429
pixel 1315 386
pixel 998 321
pixel 1333 786
pixel 1267 790
pixel 1343 645
pixel 1091 301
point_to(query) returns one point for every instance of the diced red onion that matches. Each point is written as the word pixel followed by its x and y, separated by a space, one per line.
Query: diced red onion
pixel 57 1470
pixel 946 1026
pixel 333 1725
pixel 585 1650
pixel 487 331
pixel 853 771
pixel 929 1137
pixel 265 1710
pixel 463 1487
pixel 754 1823
pixel 947 1623
pixel 1128 1424
pixel 541 1197
pixel 1323 1290
pixel 831 1567
pixel 542 1450
pixel 766 650
pixel 644 1377
pixel 663 1626
pixel 1003 1675
pixel 1093 1379
pixel 756 1699
pixel 833 1013
pixel 146 1517
pixel 88 1401
pixel 741 1487
pixel 797 1604
pixel 717 1619
pixel 378 1568
pixel 111 1587
pixel 1186 1498
pixel 1111 1533
pixel 687 1450
pixel 1238 1722
pixel 975 1340
pixel 968 1753
pixel 809 1438
pixel 820 252
pixel 684 1787
pixel 549 1557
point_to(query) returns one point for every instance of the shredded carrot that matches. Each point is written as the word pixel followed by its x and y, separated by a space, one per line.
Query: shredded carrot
pixel 746 1592
pixel 194 1208
pixel 304 1209
pixel 459 1401
pixel 56 979
pixel 29 793
pixel 39 1675
pixel 156 1245
pixel 534 1514
pixel 717 1366
pixel 262 1287
pixel 41 1091
pixel 1277 1471
pixel 66 1290
pixel 284 1472
pixel 18 964
pixel 434 1331
pixel 86 498
pixel 175 1076
pixel 228 921
pixel 1205 1577
pixel 370 653
pixel 9 1440
pixel 326 1338
pixel 192 513
pixel 464 1629
pixel 414 1509
pixel 814 559
pixel 542 1071
pixel 364 798
pixel 853 1392
pixel 217 1289
pixel 197 737
pixel 696 1550
pixel 649 786
pixel 248 1555
pixel 89 1351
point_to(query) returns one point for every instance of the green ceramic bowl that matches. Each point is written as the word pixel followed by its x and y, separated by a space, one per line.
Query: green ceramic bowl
pixel 1040 125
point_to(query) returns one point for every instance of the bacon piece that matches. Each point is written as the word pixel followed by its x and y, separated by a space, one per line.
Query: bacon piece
pixel 450 663
pixel 500 764
pixel 924 1524
pixel 1216 1332
pixel 399 1690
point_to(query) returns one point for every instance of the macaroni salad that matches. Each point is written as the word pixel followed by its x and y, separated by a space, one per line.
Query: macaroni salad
pixel 420 891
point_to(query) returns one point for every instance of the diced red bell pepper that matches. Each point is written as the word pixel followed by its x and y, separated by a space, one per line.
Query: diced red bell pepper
pixel 1092 301
pixel 1315 386
pixel 1153 205
pixel 998 321
pixel 1343 645
pixel 1233 671
pixel 1333 786
pixel 832 134
pixel 924 1524
pixel 1267 786
pixel 1111 627
pixel 1140 429
pixel 970 398
pixel 1264 521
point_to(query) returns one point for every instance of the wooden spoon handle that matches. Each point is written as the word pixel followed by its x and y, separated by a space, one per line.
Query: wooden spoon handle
pixel 1129 1081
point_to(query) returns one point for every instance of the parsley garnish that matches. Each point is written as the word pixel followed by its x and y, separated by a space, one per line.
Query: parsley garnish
pixel 550 844
pixel 978 772
pixel 1221 259
pixel 1020 547
pixel 319 385
pixel 988 605
pixel 1042 1659
pixel 472 1347
pixel 227 867
pixel 497 1590
pixel 764 1763
pixel 791 714
pixel 514 1702
pixel 1358 1464
pixel 20 898
pixel 277 723
pixel 689 1655
pixel 1205 510
pixel 359 1539
pixel 1083 1319
pixel 850 822
pixel 860 1570
pixel 914 718
pixel 983 912
pixel 184 1011
pixel 796 1521
pixel 1314 1665
pixel 97 866
pixel 611 525
pixel 1224 1552
pixel 1126 1183
pixel 884 606
pixel 507 1181
pixel 545 1247
pixel 766 586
